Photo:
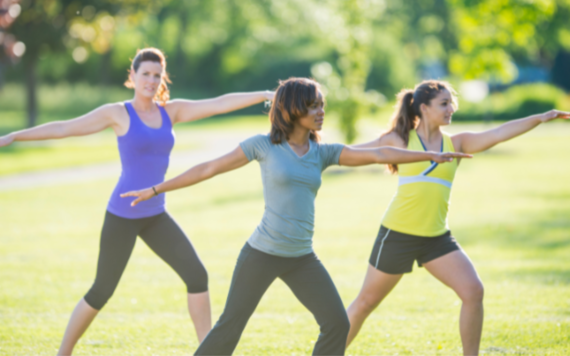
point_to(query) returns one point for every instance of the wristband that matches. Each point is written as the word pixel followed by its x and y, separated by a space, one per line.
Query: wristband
pixel 154 190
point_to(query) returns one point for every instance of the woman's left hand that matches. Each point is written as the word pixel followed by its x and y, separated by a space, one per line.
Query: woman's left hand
pixel 141 195
pixel 554 114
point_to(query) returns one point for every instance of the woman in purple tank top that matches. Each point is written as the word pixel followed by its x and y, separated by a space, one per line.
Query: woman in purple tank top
pixel 145 139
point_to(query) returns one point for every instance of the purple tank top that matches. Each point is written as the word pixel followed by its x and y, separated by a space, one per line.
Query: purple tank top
pixel 145 154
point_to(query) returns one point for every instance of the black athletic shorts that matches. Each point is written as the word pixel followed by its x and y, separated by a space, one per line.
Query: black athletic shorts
pixel 394 252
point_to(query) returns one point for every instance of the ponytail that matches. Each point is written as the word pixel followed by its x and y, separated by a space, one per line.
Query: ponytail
pixel 404 119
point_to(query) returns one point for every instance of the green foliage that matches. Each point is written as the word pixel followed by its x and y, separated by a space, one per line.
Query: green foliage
pixel 514 103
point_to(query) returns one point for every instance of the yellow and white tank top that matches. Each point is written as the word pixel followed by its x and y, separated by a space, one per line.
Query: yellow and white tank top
pixel 421 202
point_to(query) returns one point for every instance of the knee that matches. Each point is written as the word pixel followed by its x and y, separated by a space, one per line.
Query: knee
pixel 337 323
pixel 365 304
pixel 197 281
pixel 472 293
pixel 97 297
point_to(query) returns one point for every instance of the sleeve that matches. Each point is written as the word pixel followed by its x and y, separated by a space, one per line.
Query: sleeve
pixel 330 154
pixel 256 147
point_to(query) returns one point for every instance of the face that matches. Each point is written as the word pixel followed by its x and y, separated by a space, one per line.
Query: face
pixel 439 110
pixel 147 78
pixel 315 115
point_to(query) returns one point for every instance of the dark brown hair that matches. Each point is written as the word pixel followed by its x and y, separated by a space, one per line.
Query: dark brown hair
pixel 152 55
pixel 407 114
pixel 292 99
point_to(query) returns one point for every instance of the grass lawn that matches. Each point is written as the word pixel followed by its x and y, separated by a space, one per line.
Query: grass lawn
pixel 510 211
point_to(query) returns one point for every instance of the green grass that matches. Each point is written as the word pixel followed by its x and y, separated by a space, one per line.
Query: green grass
pixel 510 209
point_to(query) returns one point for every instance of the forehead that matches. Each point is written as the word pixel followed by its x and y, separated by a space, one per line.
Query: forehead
pixel 150 66
pixel 444 94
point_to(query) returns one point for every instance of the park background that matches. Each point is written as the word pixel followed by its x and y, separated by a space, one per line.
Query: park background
pixel 510 205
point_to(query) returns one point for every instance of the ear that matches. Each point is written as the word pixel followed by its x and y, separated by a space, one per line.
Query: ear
pixel 132 74
pixel 423 108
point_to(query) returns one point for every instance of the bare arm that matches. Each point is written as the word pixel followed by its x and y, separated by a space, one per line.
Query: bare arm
pixel 194 175
pixel 94 121
pixel 473 142
pixel 386 139
pixel 191 110
pixel 391 155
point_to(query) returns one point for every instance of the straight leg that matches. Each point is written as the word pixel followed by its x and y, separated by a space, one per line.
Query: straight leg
pixel 168 241
pixel 313 286
pixel 456 271
pixel 377 285
pixel 118 238
pixel 254 273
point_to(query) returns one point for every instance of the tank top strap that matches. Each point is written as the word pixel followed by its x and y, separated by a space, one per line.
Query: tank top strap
pixel 447 142
pixel 134 120
pixel 165 118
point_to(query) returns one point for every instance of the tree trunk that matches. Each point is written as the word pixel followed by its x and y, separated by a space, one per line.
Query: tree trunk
pixel 31 90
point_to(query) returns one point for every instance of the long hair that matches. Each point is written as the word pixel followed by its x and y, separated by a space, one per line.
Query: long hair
pixel 152 55
pixel 407 114
pixel 292 100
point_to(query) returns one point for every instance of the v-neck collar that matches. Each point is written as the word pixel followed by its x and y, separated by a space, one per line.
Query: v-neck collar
pixel 424 146
pixel 295 153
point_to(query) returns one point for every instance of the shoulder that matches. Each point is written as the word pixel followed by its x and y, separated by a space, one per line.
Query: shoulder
pixel 114 111
pixel 260 140
pixel 391 138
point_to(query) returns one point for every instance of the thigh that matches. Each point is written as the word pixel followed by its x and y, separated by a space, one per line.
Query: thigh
pixel 456 271
pixel 377 285
pixel 315 289
pixel 118 238
pixel 165 237
pixel 255 271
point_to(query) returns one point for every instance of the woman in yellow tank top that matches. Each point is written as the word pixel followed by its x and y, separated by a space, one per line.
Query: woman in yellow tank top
pixel 414 227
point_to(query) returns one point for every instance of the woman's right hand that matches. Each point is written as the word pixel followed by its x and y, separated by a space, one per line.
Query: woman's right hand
pixel 6 140
pixel 442 157
pixel 141 195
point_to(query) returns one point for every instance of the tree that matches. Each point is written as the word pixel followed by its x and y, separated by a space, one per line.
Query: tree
pixel 44 26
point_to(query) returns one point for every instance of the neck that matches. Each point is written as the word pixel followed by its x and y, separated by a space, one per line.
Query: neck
pixel 299 137
pixel 428 131
pixel 142 103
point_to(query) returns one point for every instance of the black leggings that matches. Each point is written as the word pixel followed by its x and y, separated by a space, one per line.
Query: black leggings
pixel 162 235
pixel 309 281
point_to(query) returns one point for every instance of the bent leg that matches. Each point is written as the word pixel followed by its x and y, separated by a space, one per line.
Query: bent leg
pixel 254 273
pixel 377 285
pixel 118 238
pixel 456 271
pixel 169 242
pixel 313 286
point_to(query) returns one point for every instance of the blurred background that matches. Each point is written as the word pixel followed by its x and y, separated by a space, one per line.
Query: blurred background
pixel 507 58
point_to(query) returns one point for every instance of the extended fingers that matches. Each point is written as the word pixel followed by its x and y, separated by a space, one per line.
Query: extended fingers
pixel 132 193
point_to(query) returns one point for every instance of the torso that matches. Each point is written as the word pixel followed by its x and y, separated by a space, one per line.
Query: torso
pixel 145 152
pixel 420 205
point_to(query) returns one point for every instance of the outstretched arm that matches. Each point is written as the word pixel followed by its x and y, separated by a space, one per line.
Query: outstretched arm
pixel 391 155
pixel 194 175
pixel 191 110
pixel 473 142
pixel 94 121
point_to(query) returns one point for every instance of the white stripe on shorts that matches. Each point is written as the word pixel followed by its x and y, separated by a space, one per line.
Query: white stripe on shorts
pixel 381 245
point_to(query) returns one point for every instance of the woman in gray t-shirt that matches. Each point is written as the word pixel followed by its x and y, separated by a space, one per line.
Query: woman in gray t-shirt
pixel 292 160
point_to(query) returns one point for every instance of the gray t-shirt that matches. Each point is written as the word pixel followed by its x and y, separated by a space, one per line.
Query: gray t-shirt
pixel 290 185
